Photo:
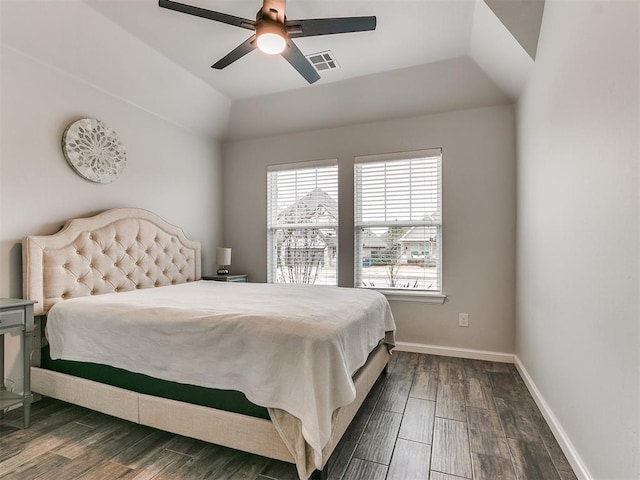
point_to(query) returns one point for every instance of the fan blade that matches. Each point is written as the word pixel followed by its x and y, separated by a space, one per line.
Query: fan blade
pixel 298 61
pixel 329 26
pixel 208 14
pixel 237 53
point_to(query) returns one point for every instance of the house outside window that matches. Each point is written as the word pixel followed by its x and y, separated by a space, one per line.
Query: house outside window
pixel 398 221
pixel 302 223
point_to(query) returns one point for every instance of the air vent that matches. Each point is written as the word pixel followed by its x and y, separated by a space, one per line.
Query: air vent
pixel 323 61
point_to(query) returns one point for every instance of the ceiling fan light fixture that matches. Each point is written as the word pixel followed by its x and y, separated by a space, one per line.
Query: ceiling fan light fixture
pixel 271 37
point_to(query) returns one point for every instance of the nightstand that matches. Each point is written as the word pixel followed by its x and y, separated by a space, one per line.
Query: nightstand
pixel 243 277
pixel 17 315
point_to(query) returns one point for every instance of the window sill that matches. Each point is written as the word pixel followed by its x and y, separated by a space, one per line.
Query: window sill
pixel 407 296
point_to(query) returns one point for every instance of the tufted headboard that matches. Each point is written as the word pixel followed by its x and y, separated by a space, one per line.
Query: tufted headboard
pixel 115 251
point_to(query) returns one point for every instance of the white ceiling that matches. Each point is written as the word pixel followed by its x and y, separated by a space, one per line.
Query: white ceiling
pixel 409 33
pixel 425 57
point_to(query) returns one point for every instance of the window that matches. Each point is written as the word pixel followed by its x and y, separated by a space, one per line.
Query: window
pixel 302 223
pixel 398 229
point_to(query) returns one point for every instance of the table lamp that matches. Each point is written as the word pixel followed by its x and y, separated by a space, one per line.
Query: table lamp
pixel 223 259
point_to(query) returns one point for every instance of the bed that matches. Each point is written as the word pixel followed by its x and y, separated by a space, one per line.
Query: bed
pixel 135 333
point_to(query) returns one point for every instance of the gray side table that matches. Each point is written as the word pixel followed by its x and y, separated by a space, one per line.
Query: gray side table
pixel 227 278
pixel 17 315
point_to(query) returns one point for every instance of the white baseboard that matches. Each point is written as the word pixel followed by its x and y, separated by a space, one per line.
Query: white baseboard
pixel 579 468
pixel 455 352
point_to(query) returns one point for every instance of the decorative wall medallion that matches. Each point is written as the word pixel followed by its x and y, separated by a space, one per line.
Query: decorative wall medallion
pixel 94 150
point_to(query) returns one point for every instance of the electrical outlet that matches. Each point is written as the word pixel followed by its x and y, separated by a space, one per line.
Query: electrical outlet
pixel 463 320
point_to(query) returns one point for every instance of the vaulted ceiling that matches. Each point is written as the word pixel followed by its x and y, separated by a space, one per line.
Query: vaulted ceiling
pixel 408 34
pixel 425 56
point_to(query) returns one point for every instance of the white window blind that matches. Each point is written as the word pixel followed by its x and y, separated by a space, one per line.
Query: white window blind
pixel 398 226
pixel 302 223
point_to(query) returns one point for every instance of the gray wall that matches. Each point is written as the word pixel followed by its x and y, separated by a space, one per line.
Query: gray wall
pixel 478 208
pixel 445 86
pixel 578 218
pixel 171 170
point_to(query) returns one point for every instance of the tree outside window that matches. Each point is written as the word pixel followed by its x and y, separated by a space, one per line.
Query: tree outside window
pixel 303 223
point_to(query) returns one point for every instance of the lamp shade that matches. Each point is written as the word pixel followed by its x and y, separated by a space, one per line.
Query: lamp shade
pixel 271 43
pixel 223 256
pixel 271 36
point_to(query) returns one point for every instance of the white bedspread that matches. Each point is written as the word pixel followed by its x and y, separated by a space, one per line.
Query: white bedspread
pixel 290 347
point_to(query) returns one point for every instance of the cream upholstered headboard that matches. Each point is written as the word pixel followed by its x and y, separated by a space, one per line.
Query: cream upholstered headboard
pixel 115 251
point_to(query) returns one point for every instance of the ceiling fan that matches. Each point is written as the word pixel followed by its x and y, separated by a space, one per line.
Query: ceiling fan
pixel 274 33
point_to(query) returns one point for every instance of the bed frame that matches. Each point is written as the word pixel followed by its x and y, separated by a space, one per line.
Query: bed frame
pixel 124 249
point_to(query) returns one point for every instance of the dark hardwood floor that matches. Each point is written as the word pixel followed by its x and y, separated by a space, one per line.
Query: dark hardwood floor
pixel 428 418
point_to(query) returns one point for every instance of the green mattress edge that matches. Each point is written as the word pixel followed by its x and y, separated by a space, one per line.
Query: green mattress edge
pixel 228 400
